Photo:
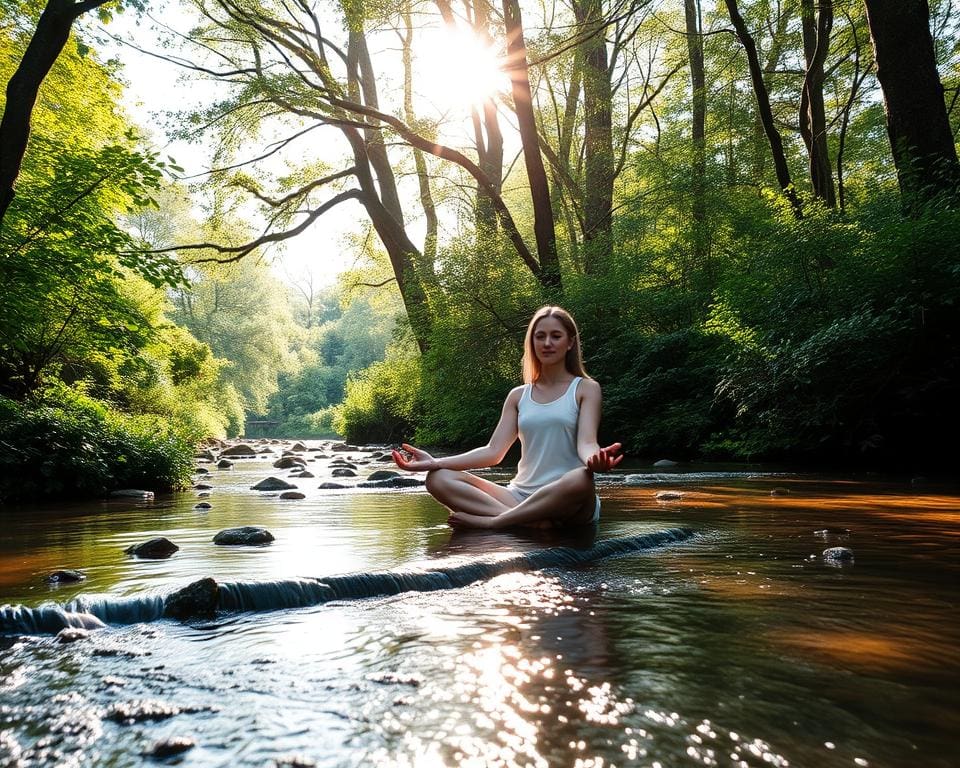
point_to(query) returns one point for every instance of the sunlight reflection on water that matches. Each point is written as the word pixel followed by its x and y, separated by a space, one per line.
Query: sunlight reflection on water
pixel 733 649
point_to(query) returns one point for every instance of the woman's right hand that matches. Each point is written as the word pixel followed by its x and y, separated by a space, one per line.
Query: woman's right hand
pixel 414 459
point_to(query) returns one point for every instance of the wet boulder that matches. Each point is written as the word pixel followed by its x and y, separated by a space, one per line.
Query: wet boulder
pixel 72 635
pixel 202 487
pixel 154 549
pixel 224 464
pixel 331 486
pixel 248 535
pixel 205 455
pixel 382 474
pixel 65 576
pixel 286 462
pixel 175 745
pixel 131 493
pixel 196 600
pixel 780 492
pixel 344 472
pixel 343 463
pixel 669 495
pixel 201 471
pixel 394 482
pixel 240 449
pixel 838 555
pixel 298 447
pixel 341 447
pixel 303 474
pixel 203 505
pixel 292 495
pixel 665 463
pixel 273 484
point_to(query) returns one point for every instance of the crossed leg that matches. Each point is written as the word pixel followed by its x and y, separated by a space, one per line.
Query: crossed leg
pixel 478 503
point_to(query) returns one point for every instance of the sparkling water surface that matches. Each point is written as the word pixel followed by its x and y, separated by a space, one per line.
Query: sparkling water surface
pixel 741 646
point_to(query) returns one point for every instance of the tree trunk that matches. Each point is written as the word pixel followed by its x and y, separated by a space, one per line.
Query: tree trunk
pixel 698 170
pixel 813 122
pixel 917 124
pixel 489 139
pixel 49 39
pixel 429 255
pixel 763 106
pixel 529 138
pixel 598 136
pixel 380 198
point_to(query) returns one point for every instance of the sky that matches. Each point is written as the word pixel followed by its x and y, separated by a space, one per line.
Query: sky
pixel 453 70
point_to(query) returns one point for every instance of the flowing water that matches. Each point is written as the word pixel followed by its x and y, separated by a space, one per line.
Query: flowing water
pixel 737 646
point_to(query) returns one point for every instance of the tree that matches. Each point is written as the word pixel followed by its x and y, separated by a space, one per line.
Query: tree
pixel 816 25
pixel 917 124
pixel 48 40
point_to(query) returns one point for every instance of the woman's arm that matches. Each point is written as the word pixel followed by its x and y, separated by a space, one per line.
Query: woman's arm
pixel 504 435
pixel 595 458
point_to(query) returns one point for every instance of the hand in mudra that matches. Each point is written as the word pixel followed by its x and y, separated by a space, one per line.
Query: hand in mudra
pixel 606 458
pixel 413 459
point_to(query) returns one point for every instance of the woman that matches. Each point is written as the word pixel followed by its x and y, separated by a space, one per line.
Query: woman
pixel 556 414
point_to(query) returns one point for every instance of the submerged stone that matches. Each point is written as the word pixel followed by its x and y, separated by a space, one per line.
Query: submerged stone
pixel 131 493
pixel 669 496
pixel 780 492
pixel 344 472
pixel 332 486
pixel 72 634
pixel 154 549
pixel 248 535
pixel 175 745
pixel 196 600
pixel 838 554
pixel 292 495
pixel 203 505
pixel 665 463
pixel 224 464
pixel 273 484
pixel 140 710
pixel 65 576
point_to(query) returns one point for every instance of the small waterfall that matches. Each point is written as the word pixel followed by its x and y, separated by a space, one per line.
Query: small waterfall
pixel 234 597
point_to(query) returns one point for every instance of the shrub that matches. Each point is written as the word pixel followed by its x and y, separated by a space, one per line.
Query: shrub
pixel 79 448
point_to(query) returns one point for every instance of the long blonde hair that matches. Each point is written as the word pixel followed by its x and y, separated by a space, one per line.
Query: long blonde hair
pixel 574 358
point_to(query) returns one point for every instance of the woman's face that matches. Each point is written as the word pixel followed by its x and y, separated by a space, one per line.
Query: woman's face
pixel 551 342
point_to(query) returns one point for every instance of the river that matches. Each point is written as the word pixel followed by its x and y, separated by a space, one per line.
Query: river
pixel 739 645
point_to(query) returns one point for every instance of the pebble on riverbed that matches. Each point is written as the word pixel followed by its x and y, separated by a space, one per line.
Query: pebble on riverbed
pixel 669 496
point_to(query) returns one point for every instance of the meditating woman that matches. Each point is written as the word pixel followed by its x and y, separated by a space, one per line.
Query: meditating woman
pixel 556 414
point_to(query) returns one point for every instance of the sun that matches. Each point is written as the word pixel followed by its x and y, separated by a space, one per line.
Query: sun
pixel 458 70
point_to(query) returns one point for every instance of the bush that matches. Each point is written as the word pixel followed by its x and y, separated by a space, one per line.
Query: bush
pixel 80 448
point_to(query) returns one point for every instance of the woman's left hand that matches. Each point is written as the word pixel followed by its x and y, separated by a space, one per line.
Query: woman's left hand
pixel 606 458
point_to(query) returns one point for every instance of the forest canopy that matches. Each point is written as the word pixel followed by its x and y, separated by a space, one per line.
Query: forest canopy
pixel 750 206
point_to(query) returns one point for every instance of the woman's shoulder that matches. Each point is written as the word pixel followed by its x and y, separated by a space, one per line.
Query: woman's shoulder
pixel 515 394
pixel 588 387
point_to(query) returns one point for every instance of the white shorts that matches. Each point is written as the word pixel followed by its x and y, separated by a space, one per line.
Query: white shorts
pixel 520 495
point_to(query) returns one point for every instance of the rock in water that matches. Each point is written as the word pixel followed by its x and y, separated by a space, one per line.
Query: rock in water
pixel 286 462
pixel 224 464
pixel 273 484
pixel 248 535
pixel 838 555
pixel 343 472
pixel 154 549
pixel 131 493
pixel 331 486
pixel 72 634
pixel 382 474
pixel 292 495
pixel 196 600
pixel 176 745
pixel 669 496
pixel 65 576
pixel 665 463
pixel 241 449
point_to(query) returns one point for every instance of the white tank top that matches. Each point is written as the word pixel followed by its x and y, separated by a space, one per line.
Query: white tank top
pixel 548 438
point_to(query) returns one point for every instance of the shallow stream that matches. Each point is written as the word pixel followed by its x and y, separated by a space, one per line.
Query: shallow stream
pixel 738 646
